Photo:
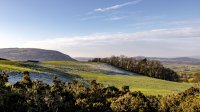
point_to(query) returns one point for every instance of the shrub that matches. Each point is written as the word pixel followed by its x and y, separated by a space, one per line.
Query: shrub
pixel 36 96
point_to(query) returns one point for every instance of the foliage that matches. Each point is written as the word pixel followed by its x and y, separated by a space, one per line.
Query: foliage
pixel 143 66
pixel 3 79
pixel 36 96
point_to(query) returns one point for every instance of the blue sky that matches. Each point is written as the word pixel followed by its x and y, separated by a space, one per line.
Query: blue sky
pixel 92 28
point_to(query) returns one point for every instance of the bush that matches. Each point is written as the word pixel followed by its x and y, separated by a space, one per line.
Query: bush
pixel 36 96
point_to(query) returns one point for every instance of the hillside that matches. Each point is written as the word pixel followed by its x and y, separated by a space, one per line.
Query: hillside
pixel 86 71
pixel 24 54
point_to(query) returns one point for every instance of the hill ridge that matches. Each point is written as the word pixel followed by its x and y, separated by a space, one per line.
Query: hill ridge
pixel 24 54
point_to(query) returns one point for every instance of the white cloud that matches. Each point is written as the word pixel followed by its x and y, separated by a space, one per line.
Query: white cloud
pixel 115 6
pixel 112 16
pixel 159 42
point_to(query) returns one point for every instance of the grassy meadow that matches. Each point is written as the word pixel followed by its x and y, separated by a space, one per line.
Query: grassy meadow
pixel 10 66
pixel 147 85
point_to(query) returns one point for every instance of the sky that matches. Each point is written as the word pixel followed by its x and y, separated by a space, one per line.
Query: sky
pixel 101 28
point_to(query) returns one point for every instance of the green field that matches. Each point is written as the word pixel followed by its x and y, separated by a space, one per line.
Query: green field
pixel 147 85
pixel 105 74
pixel 10 66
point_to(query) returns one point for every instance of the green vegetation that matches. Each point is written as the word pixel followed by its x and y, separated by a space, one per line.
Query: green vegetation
pixel 150 68
pixel 36 96
pixel 88 71
pixel 147 85
pixel 70 65
pixel 20 66
pixel 6 65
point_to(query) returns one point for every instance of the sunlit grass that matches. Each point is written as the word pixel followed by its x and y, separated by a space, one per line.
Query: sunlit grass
pixel 71 65
pixel 64 63
pixel 13 66
pixel 147 85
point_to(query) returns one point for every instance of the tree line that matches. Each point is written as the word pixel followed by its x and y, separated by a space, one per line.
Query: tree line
pixel 150 68
pixel 35 96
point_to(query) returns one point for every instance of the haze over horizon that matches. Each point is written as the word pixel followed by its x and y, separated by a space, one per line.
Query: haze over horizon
pixel 93 28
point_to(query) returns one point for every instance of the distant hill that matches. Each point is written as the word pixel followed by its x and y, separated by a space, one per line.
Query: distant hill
pixel 24 54
pixel 178 60
pixel 197 57
pixel 83 58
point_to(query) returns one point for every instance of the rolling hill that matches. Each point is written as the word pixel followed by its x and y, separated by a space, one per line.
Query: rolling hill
pixel 57 63
pixel 87 71
pixel 24 54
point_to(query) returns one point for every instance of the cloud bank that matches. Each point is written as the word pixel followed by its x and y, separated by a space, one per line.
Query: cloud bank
pixel 158 42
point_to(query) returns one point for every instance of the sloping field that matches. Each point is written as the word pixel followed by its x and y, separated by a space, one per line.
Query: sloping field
pixel 112 76
pixel 37 71
pixel 103 73
pixel 11 66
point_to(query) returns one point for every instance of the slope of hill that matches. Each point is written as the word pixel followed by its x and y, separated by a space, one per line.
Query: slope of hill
pixel 112 76
pixel 85 71
pixel 24 54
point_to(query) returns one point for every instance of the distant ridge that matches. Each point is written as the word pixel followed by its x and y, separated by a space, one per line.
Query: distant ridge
pixel 197 57
pixel 180 60
pixel 83 58
pixel 24 54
